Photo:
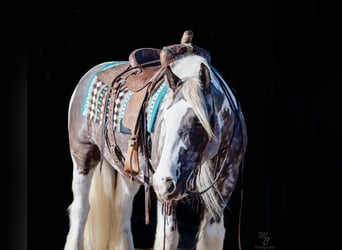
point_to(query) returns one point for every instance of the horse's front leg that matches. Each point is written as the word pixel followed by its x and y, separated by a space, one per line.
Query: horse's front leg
pixel 212 233
pixel 126 189
pixel 167 235
pixel 79 208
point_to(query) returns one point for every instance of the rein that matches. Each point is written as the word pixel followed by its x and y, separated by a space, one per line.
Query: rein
pixel 238 114
pixel 109 133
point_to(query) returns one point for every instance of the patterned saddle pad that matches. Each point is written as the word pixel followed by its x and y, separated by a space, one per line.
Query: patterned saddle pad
pixel 95 108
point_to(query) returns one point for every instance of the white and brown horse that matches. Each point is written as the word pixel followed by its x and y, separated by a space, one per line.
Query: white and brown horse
pixel 194 141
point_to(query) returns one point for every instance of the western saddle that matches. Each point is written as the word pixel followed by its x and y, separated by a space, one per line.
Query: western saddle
pixel 143 73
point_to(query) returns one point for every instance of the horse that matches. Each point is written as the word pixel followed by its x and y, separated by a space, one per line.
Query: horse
pixel 189 139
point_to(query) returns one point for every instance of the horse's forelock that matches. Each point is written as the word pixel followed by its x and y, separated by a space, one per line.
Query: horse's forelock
pixel 193 94
pixel 187 68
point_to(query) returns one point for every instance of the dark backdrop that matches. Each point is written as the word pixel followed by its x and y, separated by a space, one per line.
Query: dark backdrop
pixel 281 60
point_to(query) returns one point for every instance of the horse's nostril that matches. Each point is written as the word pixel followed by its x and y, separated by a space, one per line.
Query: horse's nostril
pixel 170 185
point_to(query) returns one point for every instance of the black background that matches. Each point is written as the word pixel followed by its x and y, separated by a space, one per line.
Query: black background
pixel 283 59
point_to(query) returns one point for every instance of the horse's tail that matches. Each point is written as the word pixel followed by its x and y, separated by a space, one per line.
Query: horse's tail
pixel 100 227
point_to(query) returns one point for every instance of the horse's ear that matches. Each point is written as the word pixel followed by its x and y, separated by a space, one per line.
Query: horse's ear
pixel 172 79
pixel 204 76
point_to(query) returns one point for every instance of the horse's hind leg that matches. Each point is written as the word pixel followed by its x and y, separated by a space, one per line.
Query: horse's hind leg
pixel 212 233
pixel 83 162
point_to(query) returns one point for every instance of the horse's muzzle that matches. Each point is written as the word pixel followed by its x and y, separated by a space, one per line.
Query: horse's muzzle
pixel 165 188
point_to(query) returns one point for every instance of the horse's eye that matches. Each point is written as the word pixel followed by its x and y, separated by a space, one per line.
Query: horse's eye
pixel 197 135
pixel 197 124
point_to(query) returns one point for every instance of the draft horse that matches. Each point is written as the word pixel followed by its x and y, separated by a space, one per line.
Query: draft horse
pixel 165 119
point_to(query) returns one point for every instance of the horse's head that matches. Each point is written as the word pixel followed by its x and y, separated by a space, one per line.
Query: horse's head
pixel 183 128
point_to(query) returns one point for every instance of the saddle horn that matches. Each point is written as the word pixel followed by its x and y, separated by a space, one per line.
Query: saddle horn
pixel 187 37
pixel 169 54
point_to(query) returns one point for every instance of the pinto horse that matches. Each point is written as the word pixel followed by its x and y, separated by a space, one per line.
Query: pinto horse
pixel 190 142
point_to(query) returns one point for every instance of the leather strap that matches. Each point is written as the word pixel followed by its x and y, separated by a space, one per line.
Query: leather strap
pixel 134 105
pixel 132 159
pixel 110 133
pixel 131 120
